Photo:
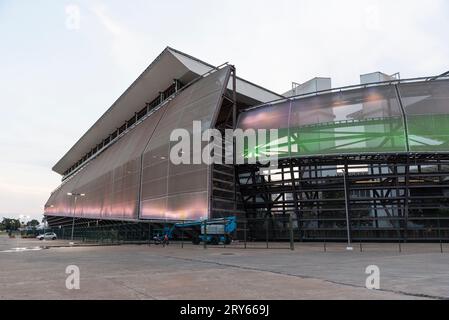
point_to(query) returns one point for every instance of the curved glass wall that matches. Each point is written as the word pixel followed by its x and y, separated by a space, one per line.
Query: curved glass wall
pixel 364 120
pixel 426 108
pixel 274 116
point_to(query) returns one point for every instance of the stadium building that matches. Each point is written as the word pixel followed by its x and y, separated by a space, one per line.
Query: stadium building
pixel 370 161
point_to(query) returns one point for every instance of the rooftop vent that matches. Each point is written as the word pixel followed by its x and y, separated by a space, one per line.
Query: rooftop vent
pixel 313 85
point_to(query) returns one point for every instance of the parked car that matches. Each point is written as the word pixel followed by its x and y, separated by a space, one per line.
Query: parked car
pixel 47 236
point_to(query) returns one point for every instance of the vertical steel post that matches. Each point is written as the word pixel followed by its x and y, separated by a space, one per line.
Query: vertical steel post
pixel 292 241
pixel 406 200
pixel 404 117
pixel 348 226
pixel 407 166
pixel 439 223
pixel 439 234
pixel 205 235
pixel 295 194
pixel 266 230
pixel 225 235
pixel 234 98
pixel 244 232
pixel 234 126
pixel 73 219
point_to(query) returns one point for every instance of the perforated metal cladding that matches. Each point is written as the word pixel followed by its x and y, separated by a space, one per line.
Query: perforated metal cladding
pixel 180 191
pixel 111 181
pixel 59 204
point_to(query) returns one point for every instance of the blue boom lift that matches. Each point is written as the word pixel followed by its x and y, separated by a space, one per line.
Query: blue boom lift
pixel 213 231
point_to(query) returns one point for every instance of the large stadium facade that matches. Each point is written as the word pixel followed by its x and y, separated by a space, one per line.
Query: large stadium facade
pixel 371 159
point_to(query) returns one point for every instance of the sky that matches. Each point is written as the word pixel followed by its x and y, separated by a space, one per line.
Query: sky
pixel 63 63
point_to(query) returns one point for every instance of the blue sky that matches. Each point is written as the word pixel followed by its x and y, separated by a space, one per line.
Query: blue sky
pixel 57 78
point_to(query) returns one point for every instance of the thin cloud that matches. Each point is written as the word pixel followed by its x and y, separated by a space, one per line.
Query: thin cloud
pixel 128 47
pixel 107 22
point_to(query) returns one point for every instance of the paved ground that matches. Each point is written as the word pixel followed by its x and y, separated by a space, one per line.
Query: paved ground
pixel 153 272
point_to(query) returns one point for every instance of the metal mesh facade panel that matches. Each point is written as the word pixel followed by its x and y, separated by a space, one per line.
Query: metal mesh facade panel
pixel 59 204
pixel 180 191
pixel 111 181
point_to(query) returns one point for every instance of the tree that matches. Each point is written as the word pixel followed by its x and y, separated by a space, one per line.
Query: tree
pixel 10 224
pixel 33 223
pixel 6 224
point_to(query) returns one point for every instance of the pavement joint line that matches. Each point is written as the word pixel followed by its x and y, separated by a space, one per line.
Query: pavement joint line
pixel 121 283
pixel 206 259
pixel 418 295
pixel 109 278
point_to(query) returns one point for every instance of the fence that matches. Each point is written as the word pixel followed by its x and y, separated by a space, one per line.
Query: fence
pixel 275 232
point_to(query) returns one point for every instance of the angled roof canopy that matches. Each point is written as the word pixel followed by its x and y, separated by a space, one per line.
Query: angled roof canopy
pixel 159 75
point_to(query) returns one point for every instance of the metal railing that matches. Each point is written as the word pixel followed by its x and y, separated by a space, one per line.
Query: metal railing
pixel 274 232
pixel 347 88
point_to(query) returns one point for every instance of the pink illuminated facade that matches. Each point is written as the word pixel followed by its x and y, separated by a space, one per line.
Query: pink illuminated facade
pixel 128 175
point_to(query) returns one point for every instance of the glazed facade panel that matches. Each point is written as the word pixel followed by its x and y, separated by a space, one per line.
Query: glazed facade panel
pixel 385 118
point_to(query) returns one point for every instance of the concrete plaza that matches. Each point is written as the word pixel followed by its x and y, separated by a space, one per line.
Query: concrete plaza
pixel 32 269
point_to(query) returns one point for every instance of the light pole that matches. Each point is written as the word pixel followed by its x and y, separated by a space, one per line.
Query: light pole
pixel 349 247
pixel 44 221
pixel 23 218
pixel 76 195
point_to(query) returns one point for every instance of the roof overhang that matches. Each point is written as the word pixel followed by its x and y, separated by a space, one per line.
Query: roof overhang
pixel 171 64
